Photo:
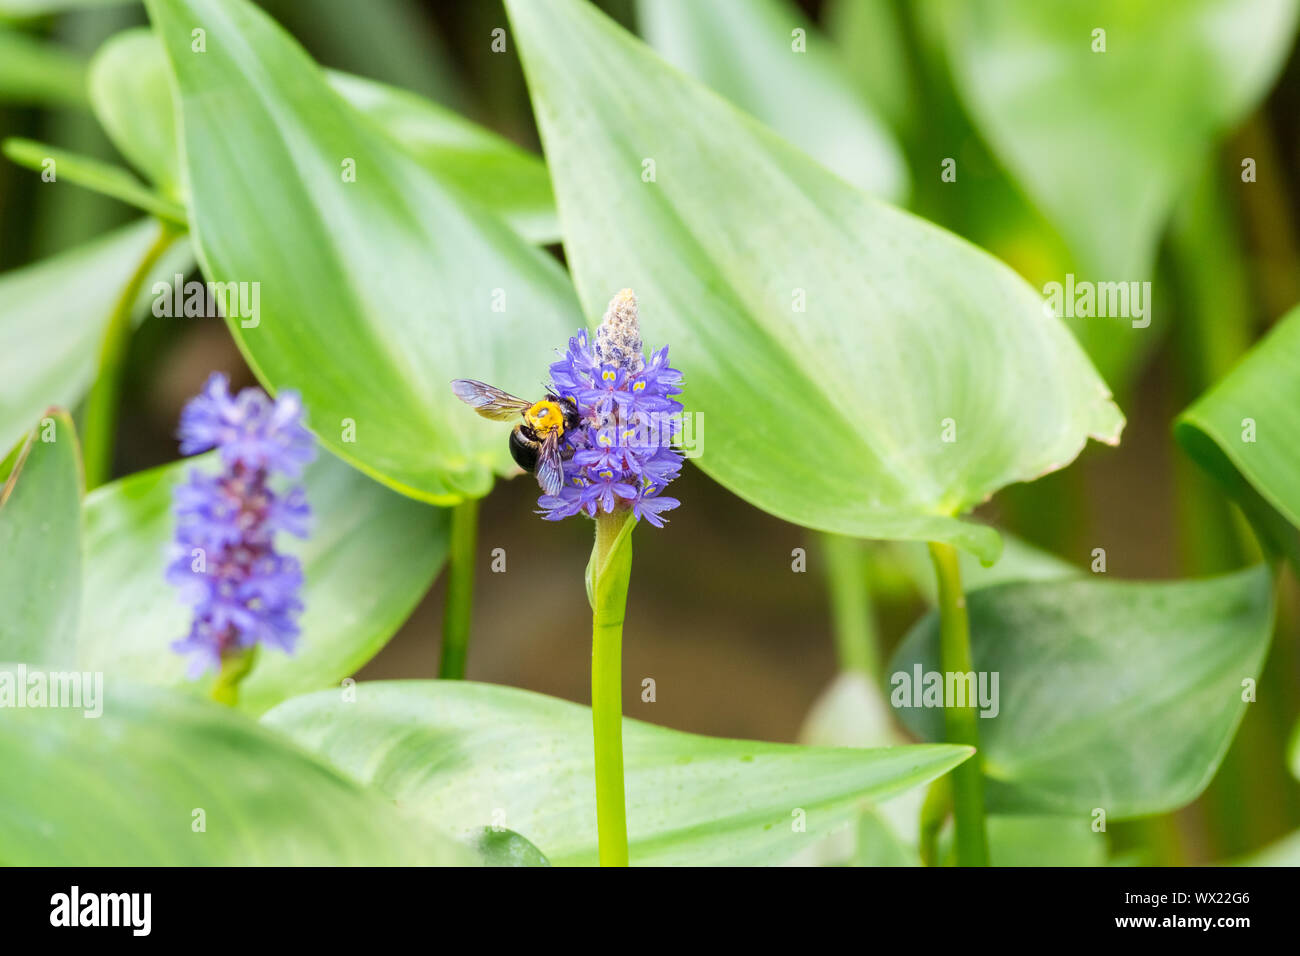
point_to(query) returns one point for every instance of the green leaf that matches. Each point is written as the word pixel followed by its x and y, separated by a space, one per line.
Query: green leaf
pixel 484 167
pixel 53 318
pixel 93 174
pixel 161 779
pixel 130 91
pixel 1116 695
pixel 40 546
pixel 456 751
pixel 1104 142
pixel 1244 431
pixel 832 417
pixel 33 71
pixel 375 293
pixel 501 847
pixel 371 556
pixel 769 60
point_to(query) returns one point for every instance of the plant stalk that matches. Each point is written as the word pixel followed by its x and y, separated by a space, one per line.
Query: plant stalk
pixel 960 723
pixel 853 620
pixel 458 611
pixel 100 423
pixel 609 603
pixel 234 668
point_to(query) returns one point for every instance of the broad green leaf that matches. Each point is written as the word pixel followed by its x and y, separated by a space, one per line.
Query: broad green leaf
pixel 828 340
pixel 52 318
pixel 161 779
pixel 769 60
pixel 1105 141
pixel 37 72
pixel 1117 695
pixel 375 293
pixel 456 752
pixel 1245 431
pixel 371 556
pixel 484 167
pixel 40 546
pixel 130 91
pixel 91 173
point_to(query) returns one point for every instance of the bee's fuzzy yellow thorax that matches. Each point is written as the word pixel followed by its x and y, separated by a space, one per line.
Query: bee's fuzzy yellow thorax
pixel 545 417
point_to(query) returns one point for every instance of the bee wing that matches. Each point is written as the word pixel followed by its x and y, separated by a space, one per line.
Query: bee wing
pixel 488 400
pixel 550 467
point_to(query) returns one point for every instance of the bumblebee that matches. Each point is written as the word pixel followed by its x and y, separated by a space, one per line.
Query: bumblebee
pixel 534 442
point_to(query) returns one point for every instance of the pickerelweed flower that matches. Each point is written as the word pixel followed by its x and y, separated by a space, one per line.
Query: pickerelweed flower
pixel 622 456
pixel 244 592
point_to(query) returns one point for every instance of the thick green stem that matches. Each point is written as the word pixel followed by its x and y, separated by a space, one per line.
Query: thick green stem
pixel 853 620
pixel 457 613
pixel 960 723
pixel 609 601
pixel 100 423
pixel 234 668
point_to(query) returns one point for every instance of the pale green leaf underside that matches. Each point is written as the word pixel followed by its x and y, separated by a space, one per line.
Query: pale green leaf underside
pixel 40 546
pixel 1105 141
pixel 130 89
pixel 457 752
pixel 52 318
pixel 124 788
pixel 746 51
pixel 375 293
pixel 130 92
pixel 832 417
pixel 371 556
pixel 1116 695
pixel 1246 429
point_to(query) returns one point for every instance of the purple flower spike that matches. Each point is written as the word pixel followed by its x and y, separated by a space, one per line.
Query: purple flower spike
pixel 622 456
pixel 224 562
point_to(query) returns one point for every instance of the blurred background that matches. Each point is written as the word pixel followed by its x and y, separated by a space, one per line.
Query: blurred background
pixel 738 642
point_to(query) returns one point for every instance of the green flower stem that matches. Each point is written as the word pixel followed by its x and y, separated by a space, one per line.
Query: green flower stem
pixel 100 424
pixel 611 569
pixel 234 668
pixel 458 611
pixel 853 620
pixel 960 723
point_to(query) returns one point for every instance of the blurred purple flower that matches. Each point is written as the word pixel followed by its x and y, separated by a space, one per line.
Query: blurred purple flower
pixel 243 591
pixel 622 456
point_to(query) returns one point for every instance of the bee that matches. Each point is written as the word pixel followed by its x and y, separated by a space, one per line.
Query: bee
pixel 534 442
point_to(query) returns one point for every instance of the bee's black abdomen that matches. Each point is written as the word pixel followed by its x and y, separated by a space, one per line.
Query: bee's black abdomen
pixel 571 417
pixel 523 449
